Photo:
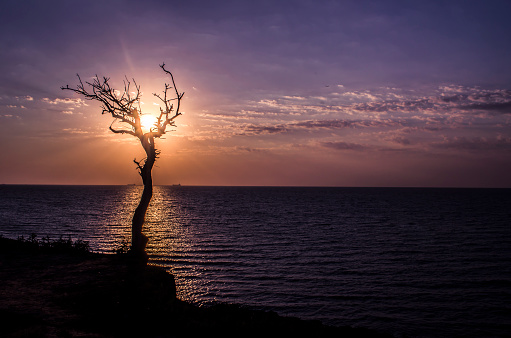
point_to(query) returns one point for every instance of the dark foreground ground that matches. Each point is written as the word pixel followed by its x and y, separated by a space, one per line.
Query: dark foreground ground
pixel 59 293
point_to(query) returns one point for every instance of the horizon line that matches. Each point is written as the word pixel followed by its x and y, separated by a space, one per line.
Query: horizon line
pixel 252 186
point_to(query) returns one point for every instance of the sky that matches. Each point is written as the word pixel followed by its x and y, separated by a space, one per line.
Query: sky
pixel 277 93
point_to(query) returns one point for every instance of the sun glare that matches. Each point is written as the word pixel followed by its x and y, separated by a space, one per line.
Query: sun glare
pixel 148 121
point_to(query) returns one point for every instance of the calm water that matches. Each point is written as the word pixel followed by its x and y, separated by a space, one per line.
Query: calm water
pixel 412 262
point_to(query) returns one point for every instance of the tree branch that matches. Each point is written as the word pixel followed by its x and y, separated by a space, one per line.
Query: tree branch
pixel 139 166
pixel 121 131
pixel 119 107
pixel 164 120
pixel 124 107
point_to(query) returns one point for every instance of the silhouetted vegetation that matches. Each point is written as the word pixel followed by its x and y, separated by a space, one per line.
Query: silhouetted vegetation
pixel 125 108
pixel 46 244
pixel 122 249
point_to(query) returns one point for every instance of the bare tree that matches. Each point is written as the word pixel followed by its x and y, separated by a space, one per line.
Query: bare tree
pixel 124 107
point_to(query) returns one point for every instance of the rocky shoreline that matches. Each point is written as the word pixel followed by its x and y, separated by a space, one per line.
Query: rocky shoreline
pixel 56 292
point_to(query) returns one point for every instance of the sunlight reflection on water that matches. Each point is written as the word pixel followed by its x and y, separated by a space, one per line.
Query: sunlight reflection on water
pixel 171 240
pixel 408 261
pixel 98 214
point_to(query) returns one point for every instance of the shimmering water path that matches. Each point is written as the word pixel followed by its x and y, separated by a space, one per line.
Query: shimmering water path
pixel 416 262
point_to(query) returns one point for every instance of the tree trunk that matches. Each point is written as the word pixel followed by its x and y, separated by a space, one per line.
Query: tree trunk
pixel 138 239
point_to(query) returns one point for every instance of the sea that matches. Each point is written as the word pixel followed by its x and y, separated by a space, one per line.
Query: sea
pixel 412 262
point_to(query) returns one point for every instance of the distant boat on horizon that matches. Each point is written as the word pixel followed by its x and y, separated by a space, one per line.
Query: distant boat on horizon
pixel 176 185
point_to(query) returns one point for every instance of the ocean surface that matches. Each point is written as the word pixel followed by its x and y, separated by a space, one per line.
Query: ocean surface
pixel 412 262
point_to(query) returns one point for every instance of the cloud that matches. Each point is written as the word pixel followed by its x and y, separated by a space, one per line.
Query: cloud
pixel 300 98
pixel 311 125
pixel 452 89
pixel 467 98
pixel 396 104
pixel 332 124
pixel 476 144
pixel 401 140
pixel 10 117
pixel 439 120
pixel 262 129
pixel 340 124
pixel 501 107
pixel 25 98
pixel 250 150
pixel 344 146
pixel 67 101
pixel 361 96
pixel 74 131
pixel 242 115
pixel 459 102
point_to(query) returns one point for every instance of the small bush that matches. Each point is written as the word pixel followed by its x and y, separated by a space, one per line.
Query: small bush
pixel 59 245
pixel 124 248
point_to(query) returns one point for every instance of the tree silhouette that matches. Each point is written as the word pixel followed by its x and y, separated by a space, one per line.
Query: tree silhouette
pixel 124 107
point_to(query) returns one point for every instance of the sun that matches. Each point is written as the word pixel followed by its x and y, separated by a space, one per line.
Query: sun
pixel 147 122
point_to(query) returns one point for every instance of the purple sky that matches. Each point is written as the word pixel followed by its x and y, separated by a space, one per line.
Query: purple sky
pixel 315 93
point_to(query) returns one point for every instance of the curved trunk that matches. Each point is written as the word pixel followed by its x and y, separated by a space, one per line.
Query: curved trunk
pixel 138 239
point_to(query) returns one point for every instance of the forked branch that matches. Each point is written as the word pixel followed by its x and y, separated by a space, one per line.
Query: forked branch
pixel 124 106
pixel 168 115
